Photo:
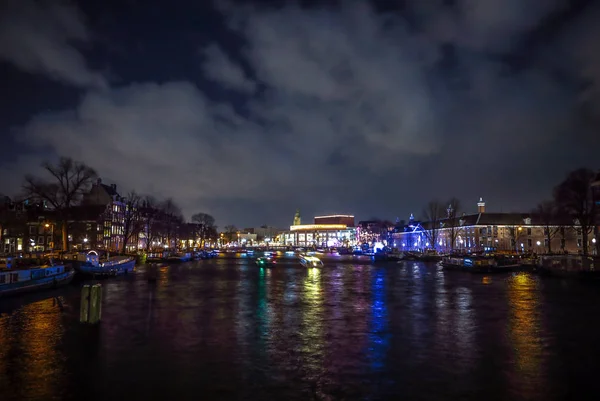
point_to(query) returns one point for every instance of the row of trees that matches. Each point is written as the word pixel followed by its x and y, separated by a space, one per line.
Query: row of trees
pixel 68 181
pixel 574 201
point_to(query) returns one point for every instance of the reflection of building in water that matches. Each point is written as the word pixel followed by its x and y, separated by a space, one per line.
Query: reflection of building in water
pixel 243 313
pixel 417 300
pixel 464 319
pixel 312 331
pixel 38 365
pixel 455 325
pixel 378 337
pixel 524 332
pixel 262 307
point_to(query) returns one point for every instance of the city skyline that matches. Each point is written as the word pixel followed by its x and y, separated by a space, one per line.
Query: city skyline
pixel 249 113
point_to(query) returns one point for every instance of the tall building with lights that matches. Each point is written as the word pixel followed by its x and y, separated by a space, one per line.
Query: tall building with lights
pixel 326 231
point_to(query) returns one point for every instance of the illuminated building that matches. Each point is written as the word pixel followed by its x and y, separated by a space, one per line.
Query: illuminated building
pixel 327 231
pixel 372 231
pixel 509 232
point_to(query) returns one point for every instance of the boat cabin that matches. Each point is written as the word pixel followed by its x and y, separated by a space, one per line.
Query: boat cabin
pixel 92 258
pixel 6 263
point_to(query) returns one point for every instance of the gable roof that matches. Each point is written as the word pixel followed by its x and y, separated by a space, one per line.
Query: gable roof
pixel 499 219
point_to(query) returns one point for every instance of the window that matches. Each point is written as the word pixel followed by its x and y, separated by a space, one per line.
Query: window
pixel 529 243
pixel 40 240
pixel 546 242
pixel 528 230
pixel 31 229
pixel 40 229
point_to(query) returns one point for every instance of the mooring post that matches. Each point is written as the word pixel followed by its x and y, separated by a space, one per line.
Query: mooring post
pixel 91 304
pixel 95 304
pixel 84 310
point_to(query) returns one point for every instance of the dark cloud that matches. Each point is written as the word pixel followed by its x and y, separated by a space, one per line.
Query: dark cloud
pixel 39 37
pixel 348 110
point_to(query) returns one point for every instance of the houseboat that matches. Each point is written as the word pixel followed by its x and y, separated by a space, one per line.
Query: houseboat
pixel 310 261
pixel 179 257
pixel 479 264
pixel 157 257
pixel 111 266
pixel 14 281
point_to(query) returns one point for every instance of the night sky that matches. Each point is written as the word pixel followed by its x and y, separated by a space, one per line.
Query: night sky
pixel 249 110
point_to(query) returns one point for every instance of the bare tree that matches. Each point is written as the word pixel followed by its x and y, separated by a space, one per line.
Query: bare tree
pixel 574 197
pixel 546 213
pixel 206 222
pixel 452 221
pixel 132 219
pixel 173 218
pixel 433 214
pixel 515 234
pixel 150 216
pixel 68 181
pixel 230 230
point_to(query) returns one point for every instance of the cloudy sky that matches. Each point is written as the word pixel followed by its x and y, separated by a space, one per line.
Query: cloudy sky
pixel 250 110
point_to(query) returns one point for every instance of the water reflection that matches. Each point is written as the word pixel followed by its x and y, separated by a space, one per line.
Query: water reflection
pixel 311 333
pixel 31 366
pixel 464 326
pixel 524 333
pixel 378 337
pixel 220 330
pixel 262 307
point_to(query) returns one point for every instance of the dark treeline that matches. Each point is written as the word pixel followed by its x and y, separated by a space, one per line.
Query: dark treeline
pixel 66 191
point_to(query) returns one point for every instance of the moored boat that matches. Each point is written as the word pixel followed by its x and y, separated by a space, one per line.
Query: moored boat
pixel 265 261
pixel 157 257
pixel 478 264
pixel 113 266
pixel 19 281
pixel 180 257
pixel 310 261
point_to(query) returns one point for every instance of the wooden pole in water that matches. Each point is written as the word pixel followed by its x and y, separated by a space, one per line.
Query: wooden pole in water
pixel 84 310
pixel 95 304
pixel 91 304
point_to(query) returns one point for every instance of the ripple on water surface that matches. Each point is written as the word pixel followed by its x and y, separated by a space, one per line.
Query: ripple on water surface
pixel 225 329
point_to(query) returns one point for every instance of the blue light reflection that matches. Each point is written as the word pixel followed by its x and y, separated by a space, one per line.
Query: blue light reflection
pixel 378 335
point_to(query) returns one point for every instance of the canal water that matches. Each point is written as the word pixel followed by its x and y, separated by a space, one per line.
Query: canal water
pixel 227 330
